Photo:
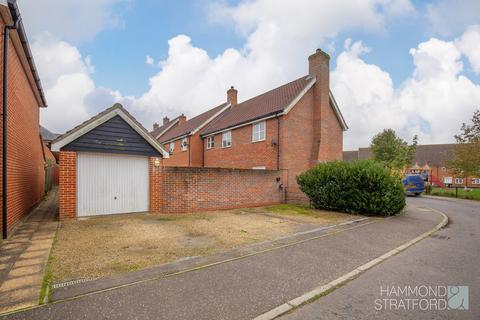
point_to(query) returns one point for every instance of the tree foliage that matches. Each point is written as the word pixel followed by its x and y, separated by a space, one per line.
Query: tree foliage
pixel 466 154
pixel 392 151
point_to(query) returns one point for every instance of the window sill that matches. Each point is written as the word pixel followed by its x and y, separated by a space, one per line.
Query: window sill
pixel 258 140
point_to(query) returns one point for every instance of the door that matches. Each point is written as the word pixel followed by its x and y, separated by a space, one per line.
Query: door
pixel 111 183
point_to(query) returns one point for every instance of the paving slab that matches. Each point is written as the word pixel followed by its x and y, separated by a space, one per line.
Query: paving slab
pixel 24 255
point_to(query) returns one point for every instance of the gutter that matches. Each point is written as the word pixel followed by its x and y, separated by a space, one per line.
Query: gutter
pixel 15 12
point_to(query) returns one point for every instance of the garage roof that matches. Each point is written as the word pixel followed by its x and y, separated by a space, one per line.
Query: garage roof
pixel 101 118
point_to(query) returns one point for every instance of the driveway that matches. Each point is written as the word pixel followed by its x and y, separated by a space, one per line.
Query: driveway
pixel 449 257
pixel 245 287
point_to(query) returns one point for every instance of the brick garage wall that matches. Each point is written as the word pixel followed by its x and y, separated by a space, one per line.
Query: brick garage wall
pixel 200 189
pixel 244 153
pixel 67 196
pixel 26 175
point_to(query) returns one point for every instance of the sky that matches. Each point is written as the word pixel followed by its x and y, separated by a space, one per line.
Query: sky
pixel 394 63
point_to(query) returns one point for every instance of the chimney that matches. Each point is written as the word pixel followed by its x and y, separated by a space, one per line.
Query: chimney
pixel 165 120
pixel 323 116
pixel 155 126
pixel 182 119
pixel 232 96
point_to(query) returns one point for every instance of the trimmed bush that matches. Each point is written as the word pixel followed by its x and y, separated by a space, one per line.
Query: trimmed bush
pixel 362 187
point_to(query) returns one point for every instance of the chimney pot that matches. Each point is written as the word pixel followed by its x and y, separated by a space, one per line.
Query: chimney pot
pixel 165 120
pixel 182 119
pixel 232 96
pixel 155 126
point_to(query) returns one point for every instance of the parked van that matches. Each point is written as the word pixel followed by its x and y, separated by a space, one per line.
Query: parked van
pixel 414 184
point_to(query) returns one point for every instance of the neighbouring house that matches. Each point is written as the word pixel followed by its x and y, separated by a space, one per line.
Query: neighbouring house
pixel 51 161
pixel 25 173
pixel 430 161
pixel 106 166
pixel 289 128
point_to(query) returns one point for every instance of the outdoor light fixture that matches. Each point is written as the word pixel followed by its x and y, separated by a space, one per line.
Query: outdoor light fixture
pixel 156 163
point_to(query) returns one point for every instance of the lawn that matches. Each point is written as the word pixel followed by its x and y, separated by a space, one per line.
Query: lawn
pixel 472 194
pixel 104 246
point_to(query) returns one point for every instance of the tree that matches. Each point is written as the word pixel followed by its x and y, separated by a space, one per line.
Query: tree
pixel 392 151
pixel 466 154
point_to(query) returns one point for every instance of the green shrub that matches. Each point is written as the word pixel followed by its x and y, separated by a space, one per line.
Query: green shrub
pixel 363 187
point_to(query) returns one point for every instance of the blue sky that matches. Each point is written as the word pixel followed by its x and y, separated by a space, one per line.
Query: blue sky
pixel 395 63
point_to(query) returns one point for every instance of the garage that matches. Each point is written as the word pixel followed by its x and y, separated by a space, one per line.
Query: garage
pixel 102 188
pixel 105 165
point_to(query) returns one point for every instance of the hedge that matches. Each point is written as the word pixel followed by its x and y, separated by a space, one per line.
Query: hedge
pixel 362 187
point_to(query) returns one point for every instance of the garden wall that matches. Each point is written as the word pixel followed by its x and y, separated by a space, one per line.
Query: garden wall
pixel 187 189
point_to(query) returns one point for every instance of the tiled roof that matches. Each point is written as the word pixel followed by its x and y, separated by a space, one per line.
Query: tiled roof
pixel 191 125
pixel 431 154
pixel 160 129
pixel 268 103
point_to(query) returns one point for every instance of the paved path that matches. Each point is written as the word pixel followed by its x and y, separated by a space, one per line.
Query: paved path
pixel 23 256
pixel 449 257
pixel 245 288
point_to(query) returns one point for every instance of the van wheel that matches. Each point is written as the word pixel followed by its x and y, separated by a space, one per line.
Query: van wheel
pixel 417 194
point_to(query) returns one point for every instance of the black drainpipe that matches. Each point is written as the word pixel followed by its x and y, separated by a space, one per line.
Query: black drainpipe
pixel 6 30
pixel 278 143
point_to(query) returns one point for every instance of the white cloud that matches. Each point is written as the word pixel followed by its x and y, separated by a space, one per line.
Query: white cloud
pixel 469 45
pixel 449 17
pixel 432 103
pixel 149 60
pixel 70 20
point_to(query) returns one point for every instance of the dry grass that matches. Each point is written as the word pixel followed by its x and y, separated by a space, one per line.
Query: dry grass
pixel 110 245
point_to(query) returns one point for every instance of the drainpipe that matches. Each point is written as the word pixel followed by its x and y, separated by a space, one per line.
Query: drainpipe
pixel 278 143
pixel 189 150
pixel 6 30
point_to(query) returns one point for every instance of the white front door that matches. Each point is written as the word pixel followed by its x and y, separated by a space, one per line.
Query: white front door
pixel 111 183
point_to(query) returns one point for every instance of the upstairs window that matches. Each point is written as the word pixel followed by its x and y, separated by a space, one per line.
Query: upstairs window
pixel 258 131
pixel 172 147
pixel 210 142
pixel 184 144
pixel 227 139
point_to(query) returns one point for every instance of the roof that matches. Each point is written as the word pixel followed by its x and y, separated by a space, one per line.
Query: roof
pixel 269 103
pixel 95 121
pixel 15 15
pixel 157 133
pixel 47 135
pixel 431 154
pixel 193 124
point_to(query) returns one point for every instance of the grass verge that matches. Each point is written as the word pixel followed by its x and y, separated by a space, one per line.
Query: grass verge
pixel 470 194
pixel 46 290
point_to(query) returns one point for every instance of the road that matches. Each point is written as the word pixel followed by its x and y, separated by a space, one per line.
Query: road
pixel 449 257
pixel 248 287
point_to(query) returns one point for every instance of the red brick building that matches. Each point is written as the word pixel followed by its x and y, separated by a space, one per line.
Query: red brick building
pixel 431 161
pixel 289 128
pixel 25 158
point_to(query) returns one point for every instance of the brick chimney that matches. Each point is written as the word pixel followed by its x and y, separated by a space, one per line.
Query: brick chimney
pixel 232 96
pixel 182 119
pixel 155 126
pixel 165 120
pixel 324 119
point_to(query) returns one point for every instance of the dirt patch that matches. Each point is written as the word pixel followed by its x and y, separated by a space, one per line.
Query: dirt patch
pixel 109 245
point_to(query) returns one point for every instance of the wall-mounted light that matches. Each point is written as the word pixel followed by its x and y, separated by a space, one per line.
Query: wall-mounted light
pixel 156 162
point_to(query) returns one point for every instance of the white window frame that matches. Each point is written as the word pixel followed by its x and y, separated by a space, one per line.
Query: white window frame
pixel 184 144
pixel 447 180
pixel 259 168
pixel 210 142
pixel 458 180
pixel 172 147
pixel 227 139
pixel 475 180
pixel 259 133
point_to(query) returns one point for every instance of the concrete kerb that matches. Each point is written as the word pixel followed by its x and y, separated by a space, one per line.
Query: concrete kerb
pixel 324 289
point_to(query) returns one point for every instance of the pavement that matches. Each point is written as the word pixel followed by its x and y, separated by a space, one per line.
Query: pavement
pixel 243 287
pixel 450 257
pixel 24 255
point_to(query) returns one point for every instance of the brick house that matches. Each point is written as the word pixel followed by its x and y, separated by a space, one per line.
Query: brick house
pixel 430 161
pixel 289 128
pixel 25 176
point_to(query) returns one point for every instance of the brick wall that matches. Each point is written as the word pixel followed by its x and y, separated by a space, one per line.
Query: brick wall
pixel 179 158
pixel 26 176
pixel 244 153
pixel 67 197
pixel 200 189
pixel 156 184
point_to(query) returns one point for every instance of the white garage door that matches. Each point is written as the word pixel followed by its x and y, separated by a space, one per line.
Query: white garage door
pixel 110 184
